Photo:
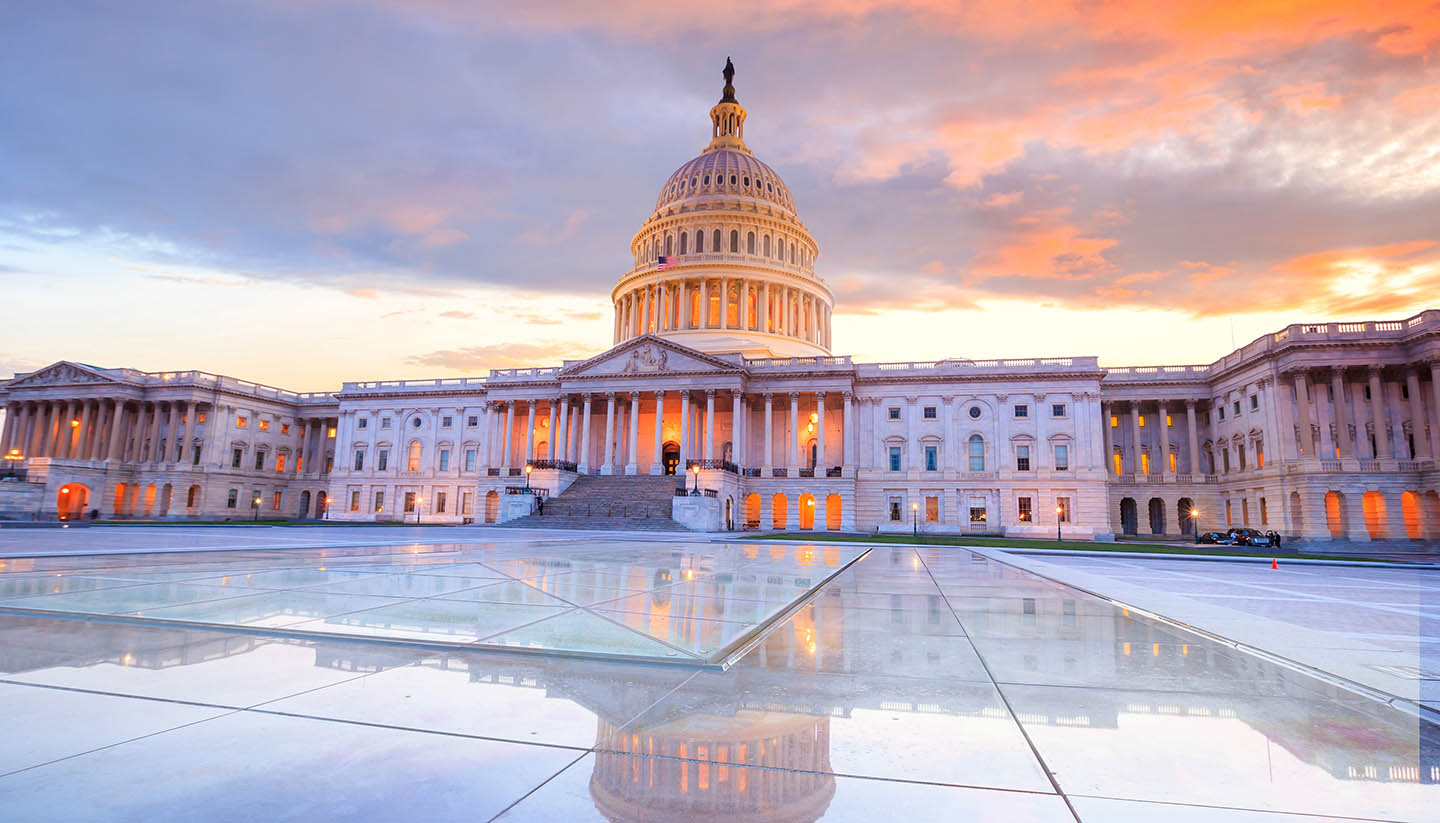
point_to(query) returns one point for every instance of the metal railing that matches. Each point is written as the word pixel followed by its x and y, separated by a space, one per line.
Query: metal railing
pixel 562 465
pixel 722 465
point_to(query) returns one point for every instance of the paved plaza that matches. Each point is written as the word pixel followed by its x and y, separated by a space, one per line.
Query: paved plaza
pixel 260 674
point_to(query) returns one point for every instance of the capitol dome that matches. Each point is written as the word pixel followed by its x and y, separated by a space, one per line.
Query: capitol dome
pixel 724 263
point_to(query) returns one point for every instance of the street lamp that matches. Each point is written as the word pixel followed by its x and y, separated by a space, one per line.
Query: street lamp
pixel 326 514
pixel 915 519
pixel 12 459
pixel 696 471
pixel 255 507
pixel 1195 524
pixel 528 469
pixel 1059 512
pixel 418 501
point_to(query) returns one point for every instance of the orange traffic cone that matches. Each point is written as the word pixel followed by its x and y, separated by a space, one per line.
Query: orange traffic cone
pixel 1273 564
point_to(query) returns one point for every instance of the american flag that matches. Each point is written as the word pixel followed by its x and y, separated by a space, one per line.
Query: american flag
pixel 664 263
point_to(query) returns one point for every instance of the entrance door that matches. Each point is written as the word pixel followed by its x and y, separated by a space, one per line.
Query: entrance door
pixel 671 456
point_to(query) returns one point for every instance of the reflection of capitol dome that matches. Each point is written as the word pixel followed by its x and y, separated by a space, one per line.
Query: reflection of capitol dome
pixel 689 769
pixel 723 263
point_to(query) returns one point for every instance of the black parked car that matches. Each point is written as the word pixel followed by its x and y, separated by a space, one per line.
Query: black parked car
pixel 1216 538
pixel 1248 537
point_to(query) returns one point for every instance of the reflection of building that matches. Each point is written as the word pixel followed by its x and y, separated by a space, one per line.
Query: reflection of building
pixel 722 357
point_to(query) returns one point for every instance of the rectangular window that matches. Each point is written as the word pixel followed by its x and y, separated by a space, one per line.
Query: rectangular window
pixel 194 455
pixel 1119 465
pixel 200 418
pixel 355 500
pixel 241 422
pixel 280 462
pixel 1260 454
pixel 275 501
pixel 977 514
pixel 409 502
pixel 1144 462
pixel 1172 463
pixel 894 412
pixel 1221 410
pixel 1057 409
pixel 1062 457
pixel 1254 402
pixel 1025 514
pixel 255 500
pixel 469 460
pixel 1062 505
pixel 362 423
pixel 232 498
pixel 359 459
pixel 264 425
pixel 1169 421
pixel 384 422
pixel 259 461
pixel 1022 410
pixel 383 460
pixel 1114 422
pixel 284 428
pixel 379 502
pixel 929 412
pixel 235 457
pixel 1236 410
pixel 1404 392
pixel 1240 450
pixel 1245 510
pixel 932 459
pixel 444 460
pixel 1142 421
pixel 1229 514
pixel 412 463
pixel 932 509
pixel 472 421
pixel 1022 458
pixel 330 431
pixel 1264 513
pixel 1367 392
pixel 894 458
pixel 466 503
pixel 440 502
pixel 895 509
pixel 446 422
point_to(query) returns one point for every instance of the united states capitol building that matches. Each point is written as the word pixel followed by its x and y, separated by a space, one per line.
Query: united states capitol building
pixel 723 378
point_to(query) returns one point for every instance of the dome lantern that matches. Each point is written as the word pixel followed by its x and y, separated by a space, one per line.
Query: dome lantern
pixel 727 119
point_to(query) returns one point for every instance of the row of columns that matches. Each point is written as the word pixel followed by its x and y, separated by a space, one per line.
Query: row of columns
pixel 776 309
pixel 1132 441
pixel 1393 398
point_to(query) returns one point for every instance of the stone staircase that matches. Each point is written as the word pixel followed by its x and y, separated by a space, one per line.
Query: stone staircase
pixel 615 502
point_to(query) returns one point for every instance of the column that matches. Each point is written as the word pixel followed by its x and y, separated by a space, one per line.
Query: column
pixel 608 467
pixel 12 412
pixel 529 432
pixel 1417 415
pixel 1135 466
pixel 710 424
pixel 704 303
pixel 1106 439
pixel 632 464
pixel 847 436
pixel 912 433
pixel 769 434
pixel 1342 414
pixel 584 462
pixel 1377 416
pixel 560 437
pixel 61 445
pixel 1194 438
pixel 684 438
pixel 762 301
pixel 820 463
pixel 737 432
pixel 1325 416
pixel 173 433
pixel 1302 414
pixel 1165 449
pixel 657 464
pixel 508 437
pixel 190 414
pixel 80 449
pixel 1401 449
pixel 1435 409
pixel 724 304
pixel 794 435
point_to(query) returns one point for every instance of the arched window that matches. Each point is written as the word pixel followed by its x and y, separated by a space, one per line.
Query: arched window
pixel 732 179
pixel 684 242
pixel 767 245
pixel 747 179
pixel 977 453
pixel 413 462
pixel 707 179
pixel 734 240
pixel 750 243
pixel 716 238
pixel 699 241
pixel 669 245
pixel 792 254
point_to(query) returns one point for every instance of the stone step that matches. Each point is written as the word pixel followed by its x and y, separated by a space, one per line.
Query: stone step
pixel 634 502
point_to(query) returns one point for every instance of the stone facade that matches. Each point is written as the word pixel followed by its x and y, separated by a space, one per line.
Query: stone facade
pixel 722 361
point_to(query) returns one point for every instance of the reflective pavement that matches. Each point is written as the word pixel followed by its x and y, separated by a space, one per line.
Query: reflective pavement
pixel 937 685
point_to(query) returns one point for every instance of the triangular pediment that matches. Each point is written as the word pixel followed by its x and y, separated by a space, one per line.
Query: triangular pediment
pixel 649 355
pixel 63 373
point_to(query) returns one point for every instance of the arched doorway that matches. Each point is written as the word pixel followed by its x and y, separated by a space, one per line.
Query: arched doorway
pixel 192 499
pixel 807 511
pixel 304 504
pixel 322 502
pixel 779 513
pixel 149 502
pixel 1410 509
pixel 833 510
pixel 1335 514
pixel 492 506
pixel 1157 516
pixel 167 495
pixel 118 509
pixel 671 457
pixel 72 501
pixel 1374 506
pixel 1129 521
pixel 752 511
pixel 1432 514
pixel 1297 515
pixel 1182 516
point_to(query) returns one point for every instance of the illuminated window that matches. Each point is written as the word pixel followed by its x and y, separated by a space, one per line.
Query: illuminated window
pixel 330 432
pixel 1025 513
pixel 1172 463
pixel 466 503
pixel 355 500
pixel 1245 510
pixel 284 428
pixel 200 418
pixel 1118 464
pixel 977 514
pixel 932 509
pixel 1144 462
pixel 412 463
pixel 1229 514
pixel 1063 504
pixel 379 501
pixel 242 422
pixel 1260 454
pixel 280 462
pixel 1169 421
pixel 1114 422
pixel 275 501
pixel 1264 513
pixel 1142 421
pixel 409 502
pixel 264 425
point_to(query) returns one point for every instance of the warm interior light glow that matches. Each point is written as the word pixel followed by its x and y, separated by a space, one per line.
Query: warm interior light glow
pixel 75 424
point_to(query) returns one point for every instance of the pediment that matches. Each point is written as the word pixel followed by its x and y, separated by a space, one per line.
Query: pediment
pixel 61 374
pixel 648 355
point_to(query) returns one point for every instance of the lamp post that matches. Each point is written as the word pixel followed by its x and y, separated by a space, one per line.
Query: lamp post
pixel 418 501
pixel 255 508
pixel 528 468
pixel 1059 514
pixel 915 519
pixel 326 513
pixel 696 471
pixel 1195 524
pixel 12 459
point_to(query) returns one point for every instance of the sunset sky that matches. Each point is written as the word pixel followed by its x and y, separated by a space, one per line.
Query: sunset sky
pixel 310 191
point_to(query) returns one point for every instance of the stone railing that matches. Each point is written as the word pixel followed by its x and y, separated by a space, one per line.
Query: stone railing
pixel 962 366
pixel 442 384
pixel 683 491
pixel 841 362
pixel 507 375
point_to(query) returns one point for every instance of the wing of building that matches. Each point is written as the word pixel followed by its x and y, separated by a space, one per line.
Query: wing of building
pixel 721 406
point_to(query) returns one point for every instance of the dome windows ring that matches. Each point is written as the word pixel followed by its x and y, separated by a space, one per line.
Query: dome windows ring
pixel 732 179
pixel 707 179
pixel 747 179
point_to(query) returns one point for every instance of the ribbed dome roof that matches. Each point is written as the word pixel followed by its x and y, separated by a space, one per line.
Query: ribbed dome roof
pixel 725 172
